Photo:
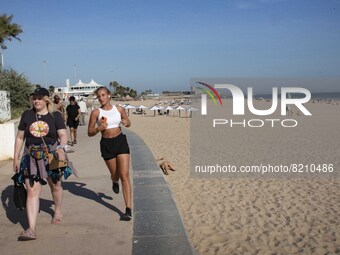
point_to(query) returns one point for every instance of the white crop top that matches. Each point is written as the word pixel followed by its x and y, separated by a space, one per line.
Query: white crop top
pixel 113 117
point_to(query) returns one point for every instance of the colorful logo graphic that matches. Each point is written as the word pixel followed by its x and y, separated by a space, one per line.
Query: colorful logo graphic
pixel 209 93
pixel 39 128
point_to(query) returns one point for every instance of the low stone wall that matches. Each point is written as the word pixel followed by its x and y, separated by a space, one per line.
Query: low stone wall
pixel 7 139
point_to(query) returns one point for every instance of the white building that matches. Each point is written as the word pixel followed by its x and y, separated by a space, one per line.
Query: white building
pixel 78 90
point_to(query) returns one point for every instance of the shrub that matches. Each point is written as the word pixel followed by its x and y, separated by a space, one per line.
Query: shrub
pixel 19 88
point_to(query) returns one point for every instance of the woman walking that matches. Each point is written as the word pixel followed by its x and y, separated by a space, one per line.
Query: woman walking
pixel 72 119
pixel 43 130
pixel 113 144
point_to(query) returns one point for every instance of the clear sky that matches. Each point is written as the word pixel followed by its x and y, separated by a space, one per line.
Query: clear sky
pixel 161 45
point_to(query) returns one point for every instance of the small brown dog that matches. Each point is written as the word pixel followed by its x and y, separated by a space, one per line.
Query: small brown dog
pixel 165 166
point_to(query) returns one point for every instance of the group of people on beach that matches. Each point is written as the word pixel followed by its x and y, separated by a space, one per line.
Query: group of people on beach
pixel 42 130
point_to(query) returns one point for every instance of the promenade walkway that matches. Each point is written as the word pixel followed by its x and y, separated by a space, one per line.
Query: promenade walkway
pixel 91 223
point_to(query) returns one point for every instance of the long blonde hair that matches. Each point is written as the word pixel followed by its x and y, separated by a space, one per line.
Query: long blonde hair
pixel 49 104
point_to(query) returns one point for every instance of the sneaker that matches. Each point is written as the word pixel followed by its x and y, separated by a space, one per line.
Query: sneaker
pixel 75 142
pixel 128 214
pixel 115 187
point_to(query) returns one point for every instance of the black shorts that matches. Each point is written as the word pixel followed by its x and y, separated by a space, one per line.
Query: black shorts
pixel 111 147
pixel 72 123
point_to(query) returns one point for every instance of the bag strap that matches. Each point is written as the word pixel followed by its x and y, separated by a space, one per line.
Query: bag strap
pixel 42 138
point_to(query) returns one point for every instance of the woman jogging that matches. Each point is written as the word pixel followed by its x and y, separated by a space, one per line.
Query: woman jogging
pixel 113 144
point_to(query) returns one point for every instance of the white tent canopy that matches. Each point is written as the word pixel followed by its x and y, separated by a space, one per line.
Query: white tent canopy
pixel 169 108
pixel 129 106
pixel 154 108
pixel 141 107
pixel 180 108
pixel 92 83
pixel 192 109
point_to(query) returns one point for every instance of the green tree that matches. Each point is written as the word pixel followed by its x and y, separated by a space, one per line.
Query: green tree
pixel 20 89
pixel 8 30
pixel 133 93
pixel 148 91
pixel 114 84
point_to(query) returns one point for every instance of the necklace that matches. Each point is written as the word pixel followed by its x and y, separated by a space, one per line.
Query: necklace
pixel 41 114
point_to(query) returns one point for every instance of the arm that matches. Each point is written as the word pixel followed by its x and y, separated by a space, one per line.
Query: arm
pixel 92 130
pixel 125 119
pixel 19 141
pixel 66 115
pixel 62 108
pixel 62 134
pixel 79 113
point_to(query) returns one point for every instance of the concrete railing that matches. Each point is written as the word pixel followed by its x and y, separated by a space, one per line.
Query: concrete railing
pixel 7 139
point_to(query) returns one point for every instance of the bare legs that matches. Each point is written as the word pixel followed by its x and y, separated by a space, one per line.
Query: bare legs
pixel 57 194
pixel 119 168
pixel 32 203
pixel 33 196
pixel 73 134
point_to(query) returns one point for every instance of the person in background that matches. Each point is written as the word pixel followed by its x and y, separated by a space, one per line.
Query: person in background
pixel 41 129
pixel 83 111
pixel 58 105
pixel 113 144
pixel 72 119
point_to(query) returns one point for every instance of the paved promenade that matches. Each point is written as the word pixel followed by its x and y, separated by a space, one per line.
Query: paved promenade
pixel 91 223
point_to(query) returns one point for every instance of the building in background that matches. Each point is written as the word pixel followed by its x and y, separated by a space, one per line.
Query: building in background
pixel 79 90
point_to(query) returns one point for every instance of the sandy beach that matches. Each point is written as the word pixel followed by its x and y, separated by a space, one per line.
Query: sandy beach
pixel 253 215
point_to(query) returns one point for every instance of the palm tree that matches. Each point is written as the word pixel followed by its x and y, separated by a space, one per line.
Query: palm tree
pixel 8 30
pixel 110 84
pixel 115 86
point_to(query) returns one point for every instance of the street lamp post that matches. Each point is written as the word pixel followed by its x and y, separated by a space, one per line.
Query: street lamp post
pixel 1 61
pixel 45 72
pixel 75 73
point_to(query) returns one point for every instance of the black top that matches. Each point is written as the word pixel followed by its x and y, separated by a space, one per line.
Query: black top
pixel 72 111
pixel 46 126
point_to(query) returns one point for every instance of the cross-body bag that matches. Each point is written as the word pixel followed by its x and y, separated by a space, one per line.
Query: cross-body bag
pixel 53 162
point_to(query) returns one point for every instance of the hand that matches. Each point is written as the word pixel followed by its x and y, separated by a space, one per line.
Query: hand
pixel 125 123
pixel 102 126
pixel 16 164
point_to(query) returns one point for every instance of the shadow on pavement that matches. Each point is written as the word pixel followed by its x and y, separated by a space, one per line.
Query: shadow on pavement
pixel 77 188
pixel 16 216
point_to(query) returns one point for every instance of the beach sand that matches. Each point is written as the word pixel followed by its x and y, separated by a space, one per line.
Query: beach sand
pixel 252 215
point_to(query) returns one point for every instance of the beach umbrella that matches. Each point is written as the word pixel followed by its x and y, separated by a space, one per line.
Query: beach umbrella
pixel 154 109
pixel 129 107
pixel 141 107
pixel 191 109
pixel 169 108
pixel 180 108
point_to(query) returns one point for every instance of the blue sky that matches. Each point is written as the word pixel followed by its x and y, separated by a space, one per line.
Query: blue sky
pixel 161 45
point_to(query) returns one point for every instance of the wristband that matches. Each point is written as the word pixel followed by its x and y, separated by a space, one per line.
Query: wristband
pixel 61 147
